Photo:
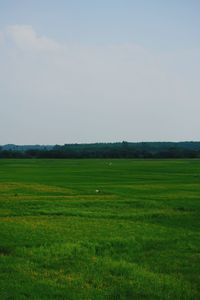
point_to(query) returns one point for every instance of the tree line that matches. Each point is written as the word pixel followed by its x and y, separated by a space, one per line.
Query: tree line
pixel 108 150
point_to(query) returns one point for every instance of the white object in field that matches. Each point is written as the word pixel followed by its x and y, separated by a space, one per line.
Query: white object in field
pixel 97 191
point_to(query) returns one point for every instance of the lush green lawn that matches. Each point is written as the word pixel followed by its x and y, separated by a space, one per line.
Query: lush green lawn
pixel 137 238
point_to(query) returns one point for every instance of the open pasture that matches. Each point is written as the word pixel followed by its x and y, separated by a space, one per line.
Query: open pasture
pixel 99 229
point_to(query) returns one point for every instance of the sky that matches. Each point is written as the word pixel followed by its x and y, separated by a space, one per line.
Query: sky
pixel 99 71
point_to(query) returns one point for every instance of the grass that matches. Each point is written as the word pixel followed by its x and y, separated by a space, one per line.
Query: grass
pixel 137 238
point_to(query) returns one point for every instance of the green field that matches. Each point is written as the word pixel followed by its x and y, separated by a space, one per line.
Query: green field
pixel 137 238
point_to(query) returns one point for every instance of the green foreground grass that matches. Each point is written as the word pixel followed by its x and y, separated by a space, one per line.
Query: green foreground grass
pixel 137 238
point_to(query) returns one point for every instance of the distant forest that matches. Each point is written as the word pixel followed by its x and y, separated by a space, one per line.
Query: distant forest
pixel 105 150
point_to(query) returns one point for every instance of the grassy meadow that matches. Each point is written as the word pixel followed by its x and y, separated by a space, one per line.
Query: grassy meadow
pixel 99 229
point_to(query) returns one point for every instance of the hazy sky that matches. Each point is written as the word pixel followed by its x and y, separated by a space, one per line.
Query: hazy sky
pixel 91 71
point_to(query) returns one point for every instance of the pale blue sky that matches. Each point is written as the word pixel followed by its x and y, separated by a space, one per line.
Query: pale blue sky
pixel 157 24
pixel 106 70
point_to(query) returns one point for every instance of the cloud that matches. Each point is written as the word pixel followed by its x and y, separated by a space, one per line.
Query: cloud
pixel 57 93
pixel 25 38
pixel 1 38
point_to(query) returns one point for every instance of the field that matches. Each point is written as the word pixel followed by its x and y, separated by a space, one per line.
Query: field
pixel 99 229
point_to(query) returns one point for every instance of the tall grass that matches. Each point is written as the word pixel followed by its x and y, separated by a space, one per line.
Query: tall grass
pixel 136 238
